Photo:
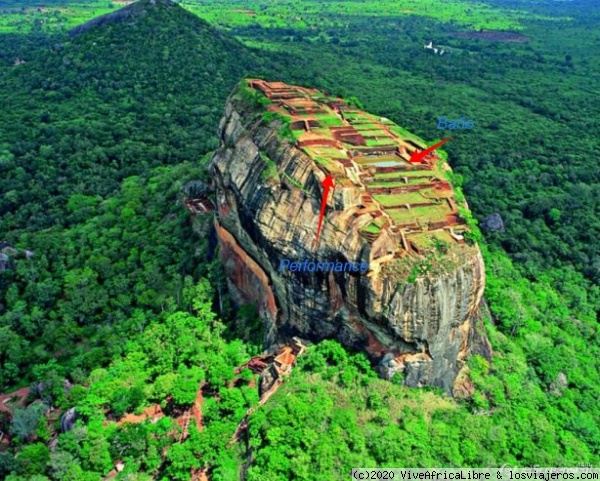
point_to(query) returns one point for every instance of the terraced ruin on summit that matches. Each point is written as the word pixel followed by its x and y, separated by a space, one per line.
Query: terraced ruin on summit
pixel 413 202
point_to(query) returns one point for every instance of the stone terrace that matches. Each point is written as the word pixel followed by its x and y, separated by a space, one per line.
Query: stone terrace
pixel 411 201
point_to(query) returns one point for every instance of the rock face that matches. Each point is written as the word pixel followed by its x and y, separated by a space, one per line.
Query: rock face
pixel 67 422
pixel 414 310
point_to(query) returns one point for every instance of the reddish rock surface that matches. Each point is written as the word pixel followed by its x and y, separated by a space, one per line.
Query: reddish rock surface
pixel 249 280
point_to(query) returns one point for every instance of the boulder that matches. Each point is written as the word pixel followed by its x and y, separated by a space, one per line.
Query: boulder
pixel 67 421
pixel 493 223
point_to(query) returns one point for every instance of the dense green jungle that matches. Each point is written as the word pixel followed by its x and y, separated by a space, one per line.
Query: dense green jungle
pixel 112 301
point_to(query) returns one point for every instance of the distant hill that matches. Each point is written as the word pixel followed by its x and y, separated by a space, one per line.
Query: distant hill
pixel 140 87
pixel 132 13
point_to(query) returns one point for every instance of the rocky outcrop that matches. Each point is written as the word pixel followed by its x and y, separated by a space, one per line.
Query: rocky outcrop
pixel 68 419
pixel 413 311
pixel 9 255
pixel 493 223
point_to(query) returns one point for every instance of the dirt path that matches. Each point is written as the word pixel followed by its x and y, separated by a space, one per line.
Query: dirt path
pixel 18 397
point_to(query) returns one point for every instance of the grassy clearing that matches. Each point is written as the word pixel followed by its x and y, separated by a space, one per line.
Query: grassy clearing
pixel 361 118
pixel 436 240
pixel 397 181
pixel 398 199
pixel 378 132
pixel 380 142
pixel 371 228
pixel 50 18
pixel 422 214
pixel 419 180
pixel 329 120
pixel 363 123
pixel 303 15
pixel 289 14
pixel 325 152
pixel 372 129
pixel 406 173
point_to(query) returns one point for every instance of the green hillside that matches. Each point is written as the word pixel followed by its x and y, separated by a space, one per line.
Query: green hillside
pixel 78 118
pixel 112 102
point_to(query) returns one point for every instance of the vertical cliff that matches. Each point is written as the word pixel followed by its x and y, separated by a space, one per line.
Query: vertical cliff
pixel 413 305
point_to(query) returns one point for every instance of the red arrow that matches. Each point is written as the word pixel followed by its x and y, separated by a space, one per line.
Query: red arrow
pixel 327 183
pixel 420 156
